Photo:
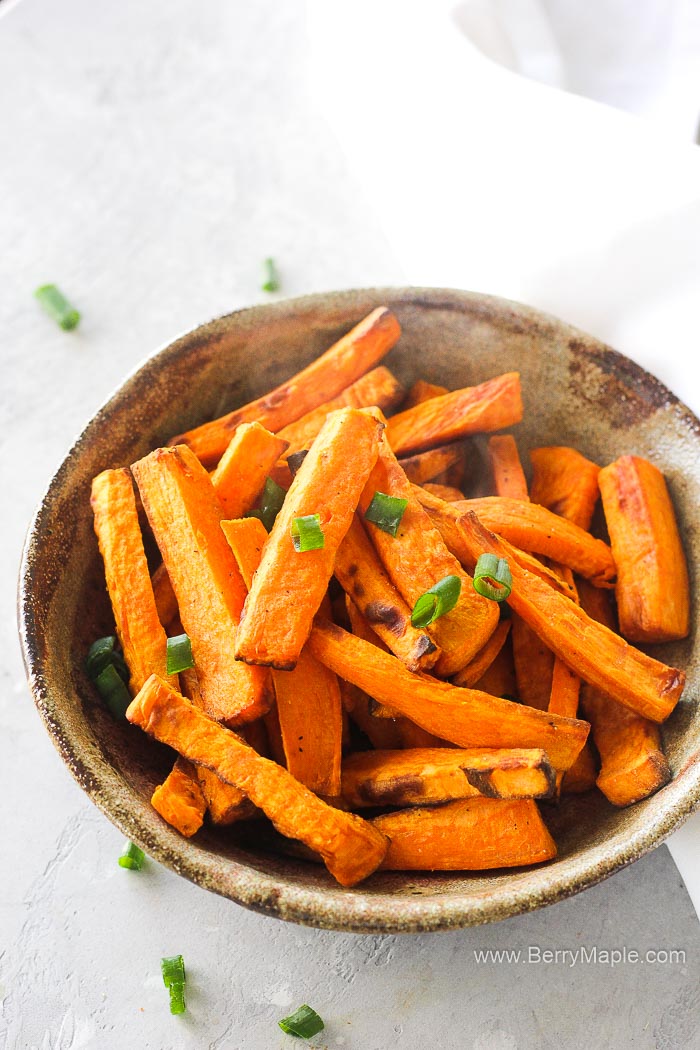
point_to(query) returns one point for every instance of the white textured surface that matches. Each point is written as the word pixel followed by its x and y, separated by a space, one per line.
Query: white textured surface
pixel 151 156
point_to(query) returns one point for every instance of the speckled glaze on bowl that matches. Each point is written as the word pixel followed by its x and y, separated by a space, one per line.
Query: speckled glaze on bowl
pixel 576 391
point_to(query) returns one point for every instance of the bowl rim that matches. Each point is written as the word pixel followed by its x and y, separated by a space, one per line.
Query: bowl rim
pixel 351 910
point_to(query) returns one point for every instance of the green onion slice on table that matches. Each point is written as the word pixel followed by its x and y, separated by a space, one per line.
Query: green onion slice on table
pixel 303 1023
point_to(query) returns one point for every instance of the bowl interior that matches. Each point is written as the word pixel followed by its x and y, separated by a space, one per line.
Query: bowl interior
pixel 576 392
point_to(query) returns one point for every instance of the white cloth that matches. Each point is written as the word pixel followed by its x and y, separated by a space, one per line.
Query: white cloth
pixel 486 180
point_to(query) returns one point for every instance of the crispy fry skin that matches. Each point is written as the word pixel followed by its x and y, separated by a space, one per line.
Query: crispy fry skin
pixel 462 716
pixel 185 516
pixel 473 410
pixel 565 482
pixel 473 834
pixel 289 586
pixel 350 848
pixel 508 476
pixel 477 668
pixel 308 707
pixel 362 576
pixel 226 804
pixel 128 582
pixel 595 653
pixel 427 775
pixel 354 354
pixel 240 475
pixel 179 799
pixel 533 528
pixel 417 558
pixel 653 596
pixel 422 391
pixel 633 764
pixel 378 387
pixel 425 466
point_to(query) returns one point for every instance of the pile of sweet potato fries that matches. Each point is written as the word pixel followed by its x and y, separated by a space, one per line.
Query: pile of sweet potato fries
pixel 316 692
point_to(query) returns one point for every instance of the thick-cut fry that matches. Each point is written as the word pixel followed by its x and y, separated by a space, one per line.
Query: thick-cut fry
pixel 417 558
pixel 379 387
pixel 489 406
pixel 477 668
pixel 308 707
pixel 508 475
pixel 533 528
pixel 185 516
pixel 474 834
pixel 425 466
pixel 633 764
pixel 582 775
pixel 446 492
pixel 354 354
pixel 596 654
pixel 362 576
pixel 652 592
pixel 422 391
pixel 128 582
pixel 462 716
pixel 179 799
pixel 427 775
pixel 565 482
pixel 534 665
pixel 289 586
pixel 350 848
pixel 226 804
pixel 240 475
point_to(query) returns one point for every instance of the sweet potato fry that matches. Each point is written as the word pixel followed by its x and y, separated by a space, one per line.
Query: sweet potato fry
pixel 226 804
pixel 535 529
pixel 378 387
pixel 633 764
pixel 474 834
pixel 534 665
pixel 652 592
pixel 462 716
pixel 179 799
pixel 477 668
pixel 565 482
pixel 289 586
pixel 240 475
pixel 499 678
pixel 350 848
pixel 308 702
pixel 185 516
pixel 166 602
pixel 381 732
pixel 582 775
pixel 353 355
pixel 473 410
pixel 362 576
pixel 422 391
pixel 595 653
pixel 508 476
pixel 446 492
pixel 425 466
pixel 417 558
pixel 428 775
pixel 128 582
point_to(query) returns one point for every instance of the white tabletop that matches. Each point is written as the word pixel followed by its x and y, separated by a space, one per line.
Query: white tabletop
pixel 152 156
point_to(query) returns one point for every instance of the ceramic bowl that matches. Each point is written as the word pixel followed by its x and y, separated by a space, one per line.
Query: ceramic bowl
pixel 576 391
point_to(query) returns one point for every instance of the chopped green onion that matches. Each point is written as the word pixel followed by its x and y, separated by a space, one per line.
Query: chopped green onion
pixel 172 967
pixel 386 512
pixel 269 504
pixel 132 857
pixel 179 654
pixel 103 652
pixel 296 459
pixel 113 690
pixel 303 1023
pixel 177 997
pixel 271 282
pixel 492 577
pixel 307 534
pixel 437 601
pixel 57 306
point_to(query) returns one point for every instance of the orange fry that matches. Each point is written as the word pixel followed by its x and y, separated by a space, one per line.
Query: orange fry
pixel 508 476
pixel 565 482
pixel 240 475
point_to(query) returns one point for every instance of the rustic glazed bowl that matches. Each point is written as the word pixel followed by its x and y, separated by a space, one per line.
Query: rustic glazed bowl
pixel 576 391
